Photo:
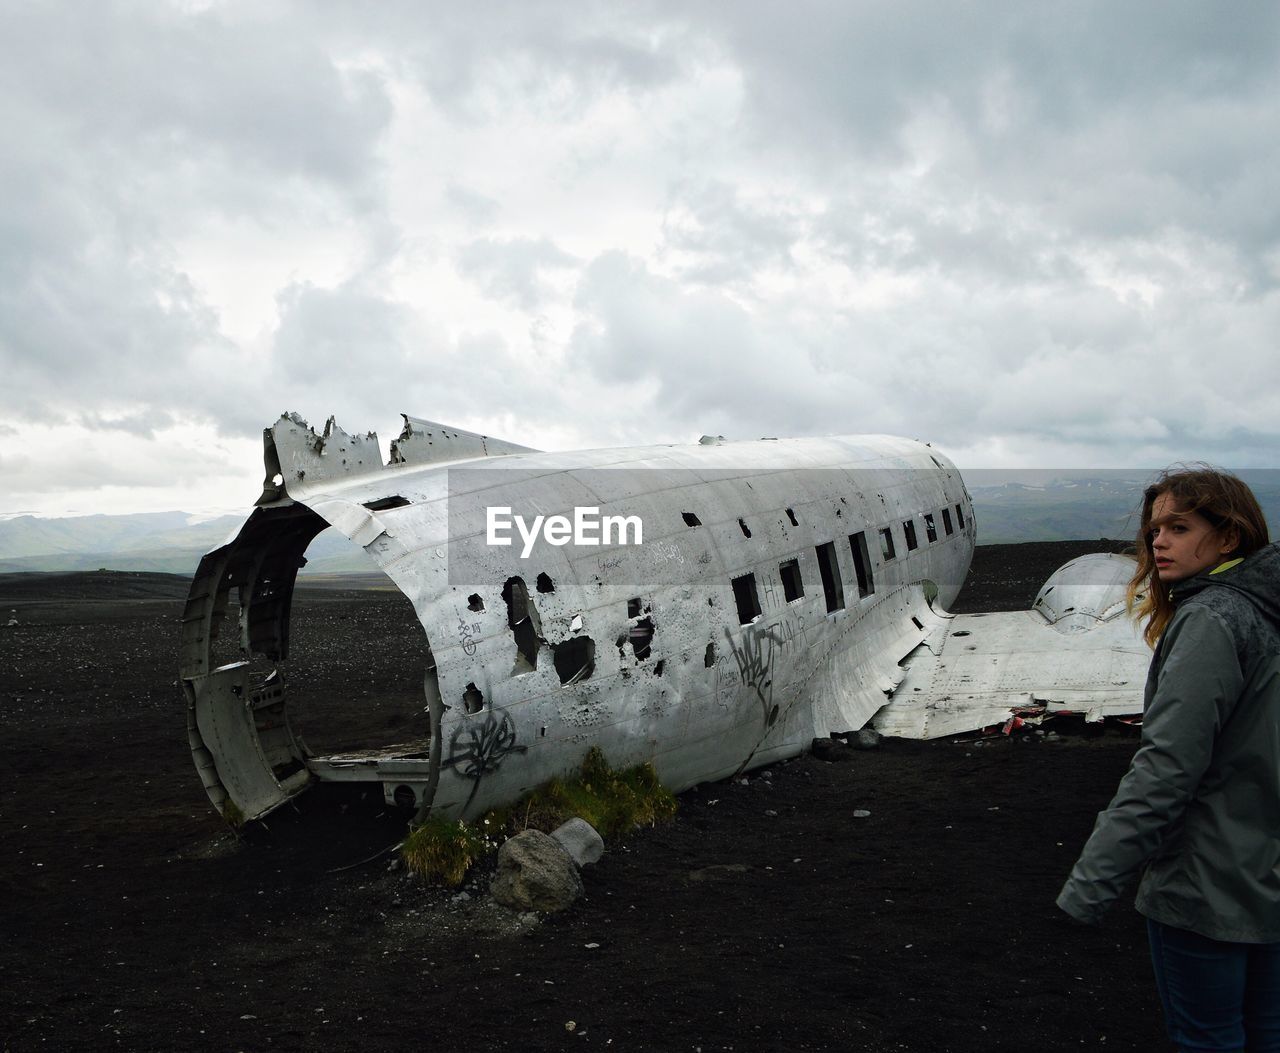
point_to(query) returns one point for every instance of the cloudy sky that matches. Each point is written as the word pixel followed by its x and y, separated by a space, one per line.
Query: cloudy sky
pixel 1032 234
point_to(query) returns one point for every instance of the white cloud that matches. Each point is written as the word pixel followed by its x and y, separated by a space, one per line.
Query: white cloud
pixel 1023 233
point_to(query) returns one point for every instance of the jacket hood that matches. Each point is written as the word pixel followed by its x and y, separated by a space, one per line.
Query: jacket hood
pixel 1256 576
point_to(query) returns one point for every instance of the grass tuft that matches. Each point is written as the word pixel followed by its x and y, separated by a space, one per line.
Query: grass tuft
pixel 614 802
pixel 442 850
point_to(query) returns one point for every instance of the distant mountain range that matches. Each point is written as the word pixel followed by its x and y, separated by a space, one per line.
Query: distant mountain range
pixel 1078 507
pixel 169 542
pixel 1007 506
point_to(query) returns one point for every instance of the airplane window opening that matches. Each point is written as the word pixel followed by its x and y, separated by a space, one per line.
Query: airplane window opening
pixel 641 636
pixel 917 622
pixel 960 516
pixel 792 516
pixel 746 530
pixel 383 503
pixel 659 667
pixel 544 583
pixel 792 584
pixel 524 623
pixel 909 532
pixel 690 519
pixel 930 529
pixel 862 563
pixel 745 596
pixel 886 544
pixel 633 607
pixel 474 602
pixel 472 699
pixel 829 566
pixel 575 659
pixel 946 522
pixel 709 656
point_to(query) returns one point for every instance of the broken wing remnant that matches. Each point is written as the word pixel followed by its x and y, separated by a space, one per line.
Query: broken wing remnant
pixel 1074 651
pixel 786 589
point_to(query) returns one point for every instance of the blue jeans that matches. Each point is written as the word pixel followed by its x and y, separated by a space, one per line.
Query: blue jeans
pixel 1218 997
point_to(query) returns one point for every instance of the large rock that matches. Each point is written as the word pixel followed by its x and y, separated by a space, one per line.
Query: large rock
pixel 580 840
pixel 535 873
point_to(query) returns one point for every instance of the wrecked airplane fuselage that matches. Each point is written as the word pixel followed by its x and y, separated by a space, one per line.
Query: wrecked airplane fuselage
pixel 777 586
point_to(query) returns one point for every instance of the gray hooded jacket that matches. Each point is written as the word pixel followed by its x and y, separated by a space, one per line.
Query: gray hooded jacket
pixel 1200 804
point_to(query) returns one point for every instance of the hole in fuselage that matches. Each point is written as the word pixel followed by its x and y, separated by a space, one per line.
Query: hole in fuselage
pixel 358 660
pixel 524 623
pixel 641 637
pixel 575 659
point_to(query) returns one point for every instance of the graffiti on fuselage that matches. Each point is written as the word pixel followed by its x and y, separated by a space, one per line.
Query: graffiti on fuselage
pixel 479 747
pixel 754 656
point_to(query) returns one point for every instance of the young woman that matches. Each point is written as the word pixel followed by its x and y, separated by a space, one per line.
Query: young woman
pixel 1200 805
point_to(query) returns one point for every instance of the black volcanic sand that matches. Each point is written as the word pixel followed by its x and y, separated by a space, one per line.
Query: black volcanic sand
pixel 765 917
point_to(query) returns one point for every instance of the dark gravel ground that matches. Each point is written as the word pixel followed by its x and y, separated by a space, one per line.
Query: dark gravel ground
pixel 130 919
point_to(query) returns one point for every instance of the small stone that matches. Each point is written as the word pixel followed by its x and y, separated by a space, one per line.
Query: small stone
pixel 861 813
pixel 865 739
pixel 535 873
pixel 580 839
pixel 826 749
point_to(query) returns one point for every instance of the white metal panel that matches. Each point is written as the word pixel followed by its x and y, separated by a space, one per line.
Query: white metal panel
pixel 978 669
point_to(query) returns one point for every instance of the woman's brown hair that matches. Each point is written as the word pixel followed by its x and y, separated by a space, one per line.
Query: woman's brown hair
pixel 1223 500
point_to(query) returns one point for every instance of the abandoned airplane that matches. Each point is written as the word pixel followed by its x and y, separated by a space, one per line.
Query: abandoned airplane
pixel 766 594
